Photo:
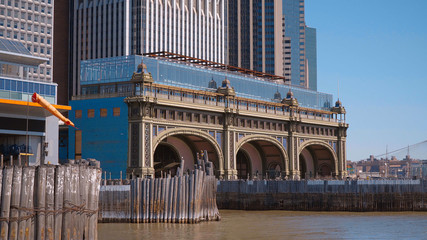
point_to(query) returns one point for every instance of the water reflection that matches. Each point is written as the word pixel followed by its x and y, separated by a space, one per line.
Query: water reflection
pixel 281 225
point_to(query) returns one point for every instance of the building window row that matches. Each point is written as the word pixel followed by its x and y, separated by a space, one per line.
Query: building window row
pixel 318 131
pixel 103 112
pixel 262 125
pixel 187 116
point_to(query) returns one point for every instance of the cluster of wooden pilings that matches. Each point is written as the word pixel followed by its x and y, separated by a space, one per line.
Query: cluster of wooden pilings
pixel 50 201
pixel 188 197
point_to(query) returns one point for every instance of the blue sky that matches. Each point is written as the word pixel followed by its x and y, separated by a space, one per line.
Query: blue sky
pixel 377 49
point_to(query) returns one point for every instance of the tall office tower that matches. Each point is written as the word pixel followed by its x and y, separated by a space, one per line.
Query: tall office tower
pixel 269 36
pixel 255 38
pixel 311 56
pixel 61 49
pixel 293 11
pixel 110 28
pixel 30 23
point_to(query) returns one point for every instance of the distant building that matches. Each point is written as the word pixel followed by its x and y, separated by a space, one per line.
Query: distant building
pixel 30 23
pixel 295 29
pixel 391 168
pixel 255 38
pixel 311 57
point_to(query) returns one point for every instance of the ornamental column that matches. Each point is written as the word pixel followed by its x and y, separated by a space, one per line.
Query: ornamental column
pixel 141 110
pixel 291 104
pixel 341 170
pixel 229 99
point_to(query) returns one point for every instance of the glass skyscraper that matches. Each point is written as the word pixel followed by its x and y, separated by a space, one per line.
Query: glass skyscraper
pixel 270 36
pixel 255 36
pixel 311 55
pixel 293 11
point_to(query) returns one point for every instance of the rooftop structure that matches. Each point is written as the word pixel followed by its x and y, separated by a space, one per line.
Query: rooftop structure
pixel 98 76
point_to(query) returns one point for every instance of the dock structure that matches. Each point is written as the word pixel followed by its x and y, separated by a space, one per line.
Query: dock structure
pixel 187 197
pixel 49 201
pixel 324 195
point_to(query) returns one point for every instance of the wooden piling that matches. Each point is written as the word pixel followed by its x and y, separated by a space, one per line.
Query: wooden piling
pixel 40 202
pixel 5 201
pixel 59 200
pixel 50 202
pixel 67 228
pixel 15 202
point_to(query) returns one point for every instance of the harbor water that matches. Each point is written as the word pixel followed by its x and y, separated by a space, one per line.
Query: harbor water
pixel 237 224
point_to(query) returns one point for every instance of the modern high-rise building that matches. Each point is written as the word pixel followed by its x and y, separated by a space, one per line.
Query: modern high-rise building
pixel 293 12
pixel 255 35
pixel 30 23
pixel 110 28
pixel 269 36
pixel 311 56
pixel 28 133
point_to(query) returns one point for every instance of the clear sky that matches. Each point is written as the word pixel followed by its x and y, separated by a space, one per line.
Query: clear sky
pixel 377 49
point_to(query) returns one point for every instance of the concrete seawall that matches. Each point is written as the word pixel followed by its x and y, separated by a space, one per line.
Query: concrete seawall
pixel 319 195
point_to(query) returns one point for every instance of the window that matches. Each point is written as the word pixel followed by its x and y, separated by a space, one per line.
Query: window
pixel 91 113
pixel 78 113
pixel 116 111
pixel 103 112
pixel 78 144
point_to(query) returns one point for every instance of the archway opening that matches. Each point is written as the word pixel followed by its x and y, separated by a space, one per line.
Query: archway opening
pixel 303 168
pixel 166 160
pixel 265 159
pixel 186 147
pixel 316 161
pixel 243 165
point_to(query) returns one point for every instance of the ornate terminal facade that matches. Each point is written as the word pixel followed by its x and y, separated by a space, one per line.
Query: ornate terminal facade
pixel 245 138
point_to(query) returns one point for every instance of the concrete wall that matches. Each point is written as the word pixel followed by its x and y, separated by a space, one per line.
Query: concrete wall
pixel 103 138
pixel 51 139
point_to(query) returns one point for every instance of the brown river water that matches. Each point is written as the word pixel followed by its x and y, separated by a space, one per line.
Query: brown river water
pixel 280 225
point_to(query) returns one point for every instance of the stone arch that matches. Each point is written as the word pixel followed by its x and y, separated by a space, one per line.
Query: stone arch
pixel 275 142
pixel 323 144
pixel 189 131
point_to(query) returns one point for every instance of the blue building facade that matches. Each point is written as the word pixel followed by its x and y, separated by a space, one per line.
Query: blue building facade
pixel 102 132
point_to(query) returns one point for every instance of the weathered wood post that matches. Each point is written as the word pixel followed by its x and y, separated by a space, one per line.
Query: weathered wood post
pixel 14 202
pixel 5 202
pixel 40 202
pixel 50 201
pixel 59 200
